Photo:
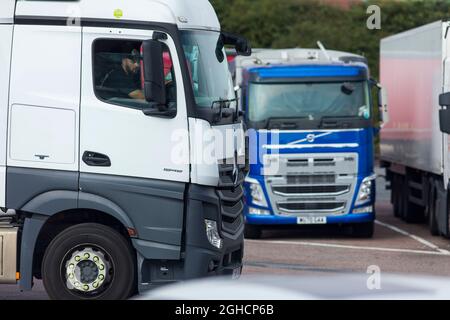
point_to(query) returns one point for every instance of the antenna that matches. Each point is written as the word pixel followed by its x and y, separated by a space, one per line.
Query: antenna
pixel 324 51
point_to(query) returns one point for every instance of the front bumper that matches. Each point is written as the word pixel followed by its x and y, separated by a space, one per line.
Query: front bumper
pixel 200 257
pixel 278 220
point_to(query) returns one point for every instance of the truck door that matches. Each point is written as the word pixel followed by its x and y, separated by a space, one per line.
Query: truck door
pixel 126 157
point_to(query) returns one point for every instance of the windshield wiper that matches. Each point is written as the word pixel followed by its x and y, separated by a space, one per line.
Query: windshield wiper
pixel 333 121
pixel 283 123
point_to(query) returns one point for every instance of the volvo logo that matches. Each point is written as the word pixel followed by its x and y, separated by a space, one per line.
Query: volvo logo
pixel 310 138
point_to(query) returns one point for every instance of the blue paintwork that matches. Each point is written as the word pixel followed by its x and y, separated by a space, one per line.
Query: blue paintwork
pixel 309 71
pixel 274 220
pixel 359 141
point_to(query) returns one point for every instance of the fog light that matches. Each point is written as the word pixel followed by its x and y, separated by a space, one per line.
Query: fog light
pixel 212 233
pixel 363 210
pixel 258 212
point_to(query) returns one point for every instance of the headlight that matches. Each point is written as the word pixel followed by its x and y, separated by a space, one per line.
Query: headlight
pixel 365 190
pixel 256 192
pixel 212 233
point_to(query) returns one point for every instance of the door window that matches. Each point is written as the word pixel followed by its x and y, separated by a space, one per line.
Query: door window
pixel 118 76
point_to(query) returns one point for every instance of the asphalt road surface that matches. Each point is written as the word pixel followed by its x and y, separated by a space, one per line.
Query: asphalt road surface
pixel 396 247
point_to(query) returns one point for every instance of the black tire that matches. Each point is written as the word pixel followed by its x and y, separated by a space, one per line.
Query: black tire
pixel 401 197
pixel 412 213
pixel 107 243
pixel 363 230
pixel 432 222
pixel 396 196
pixel 252 232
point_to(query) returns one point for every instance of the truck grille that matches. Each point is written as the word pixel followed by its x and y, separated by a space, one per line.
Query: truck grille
pixel 310 190
pixel 231 196
pixel 312 184
pixel 310 206
pixel 311 179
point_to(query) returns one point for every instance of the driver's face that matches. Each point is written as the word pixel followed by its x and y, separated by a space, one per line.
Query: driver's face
pixel 131 66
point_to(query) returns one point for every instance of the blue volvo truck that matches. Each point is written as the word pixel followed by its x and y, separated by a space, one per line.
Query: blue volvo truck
pixel 310 127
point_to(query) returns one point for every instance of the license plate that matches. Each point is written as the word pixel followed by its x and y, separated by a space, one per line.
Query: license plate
pixel 311 220
pixel 236 273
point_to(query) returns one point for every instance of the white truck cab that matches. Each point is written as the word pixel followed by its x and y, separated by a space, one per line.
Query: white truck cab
pixel 107 110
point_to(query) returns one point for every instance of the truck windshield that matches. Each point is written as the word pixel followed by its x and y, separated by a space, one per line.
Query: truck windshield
pixel 311 101
pixel 208 67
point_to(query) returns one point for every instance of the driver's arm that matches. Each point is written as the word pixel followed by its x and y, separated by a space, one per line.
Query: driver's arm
pixel 137 94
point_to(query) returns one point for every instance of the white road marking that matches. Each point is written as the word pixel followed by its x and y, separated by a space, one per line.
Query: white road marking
pixel 412 236
pixel 339 246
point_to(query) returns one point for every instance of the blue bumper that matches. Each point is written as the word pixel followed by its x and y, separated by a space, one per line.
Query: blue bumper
pixel 277 220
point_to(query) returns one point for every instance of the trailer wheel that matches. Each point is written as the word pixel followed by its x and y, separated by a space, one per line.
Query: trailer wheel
pixel 363 230
pixel 402 196
pixel 412 213
pixel 89 261
pixel 252 232
pixel 396 197
pixel 432 223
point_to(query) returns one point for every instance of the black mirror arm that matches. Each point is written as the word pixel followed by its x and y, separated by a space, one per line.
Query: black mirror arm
pixel 240 43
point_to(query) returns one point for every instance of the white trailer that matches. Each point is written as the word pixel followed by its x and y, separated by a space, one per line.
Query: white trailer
pixel 415 69
pixel 106 109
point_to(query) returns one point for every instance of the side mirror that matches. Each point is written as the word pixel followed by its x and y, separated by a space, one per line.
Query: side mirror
pixel 444 113
pixel 154 87
pixel 383 105
pixel 241 44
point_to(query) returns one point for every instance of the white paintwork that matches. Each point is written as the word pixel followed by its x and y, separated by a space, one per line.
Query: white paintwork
pixel 412 71
pixel 446 88
pixel 138 145
pixel 5 63
pixel 211 145
pixel 52 77
pixel 198 13
pixel 5 56
pixel 45 77
pixel 53 135
pixel 3 186
pixel 7 11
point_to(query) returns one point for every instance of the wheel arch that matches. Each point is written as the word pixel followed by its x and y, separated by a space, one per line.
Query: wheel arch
pixel 52 212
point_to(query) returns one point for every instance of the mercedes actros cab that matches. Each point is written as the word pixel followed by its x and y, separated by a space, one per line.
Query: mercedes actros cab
pixel 121 147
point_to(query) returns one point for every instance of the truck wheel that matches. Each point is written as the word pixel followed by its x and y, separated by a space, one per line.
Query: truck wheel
pixel 89 261
pixel 363 230
pixel 252 232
